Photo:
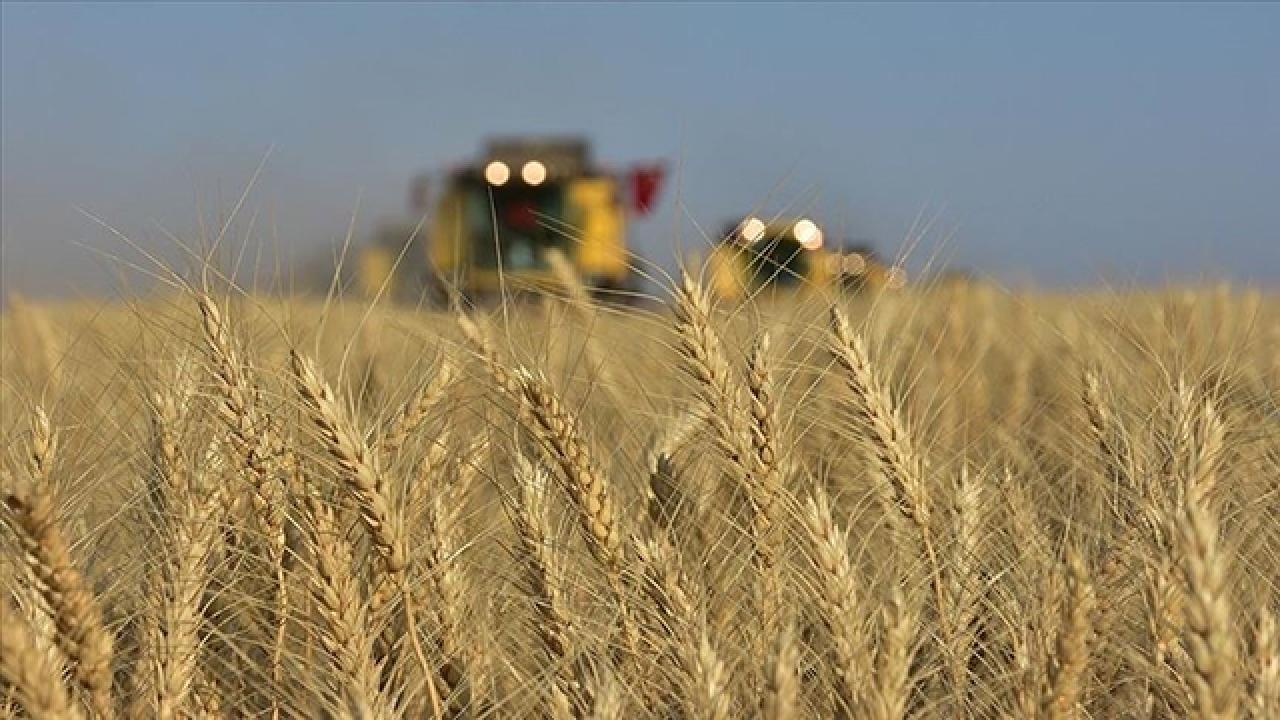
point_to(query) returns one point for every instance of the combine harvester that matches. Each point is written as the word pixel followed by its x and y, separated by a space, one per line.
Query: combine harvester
pixel 757 256
pixel 491 226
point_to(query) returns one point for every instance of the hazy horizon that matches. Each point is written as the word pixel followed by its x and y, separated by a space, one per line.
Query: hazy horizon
pixel 1054 144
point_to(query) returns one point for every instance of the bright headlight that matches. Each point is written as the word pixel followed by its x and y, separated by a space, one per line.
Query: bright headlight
pixel 807 234
pixel 752 229
pixel 533 172
pixel 497 173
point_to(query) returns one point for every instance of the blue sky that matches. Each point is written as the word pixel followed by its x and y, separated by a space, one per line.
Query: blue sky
pixel 1061 144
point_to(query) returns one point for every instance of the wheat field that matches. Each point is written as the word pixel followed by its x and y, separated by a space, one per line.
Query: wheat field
pixel 949 502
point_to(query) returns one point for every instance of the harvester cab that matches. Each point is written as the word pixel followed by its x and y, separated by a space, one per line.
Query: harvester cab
pixel 757 256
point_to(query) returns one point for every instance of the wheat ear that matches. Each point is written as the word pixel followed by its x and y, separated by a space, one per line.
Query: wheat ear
pixel 346 635
pixel 1107 433
pixel 705 361
pixel 44 446
pixel 706 694
pixel 83 637
pixel 1265 698
pixel 893 447
pixel 838 600
pixel 782 684
pixel 1209 637
pixel 169 406
pixel 366 483
pixel 892 686
pixel 30 674
pixel 1071 653
pixel 962 583
pixel 554 626
pixel 745 430
pixel 765 489
pixel 558 432
pixel 415 412
pixel 168 662
pixel 481 343
pixel 361 473
pixel 258 446
pixel 667 502
pixel 447 592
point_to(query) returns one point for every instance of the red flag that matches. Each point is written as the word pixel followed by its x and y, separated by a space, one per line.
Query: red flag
pixel 645 184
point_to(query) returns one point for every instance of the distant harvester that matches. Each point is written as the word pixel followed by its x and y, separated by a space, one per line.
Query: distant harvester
pixel 757 255
pixel 491 226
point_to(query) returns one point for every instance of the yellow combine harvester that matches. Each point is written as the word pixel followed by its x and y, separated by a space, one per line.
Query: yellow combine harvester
pixel 494 221
pixel 759 256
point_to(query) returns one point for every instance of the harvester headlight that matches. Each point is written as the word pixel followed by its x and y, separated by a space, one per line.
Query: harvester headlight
pixel 752 229
pixel 808 234
pixel 896 279
pixel 533 172
pixel 497 173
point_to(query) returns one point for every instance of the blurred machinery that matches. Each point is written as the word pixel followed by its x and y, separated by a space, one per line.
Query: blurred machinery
pixel 757 256
pixel 493 221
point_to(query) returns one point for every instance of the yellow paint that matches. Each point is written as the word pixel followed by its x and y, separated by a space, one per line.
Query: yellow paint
pixel 446 250
pixel 374 274
pixel 601 226
pixel 727 272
